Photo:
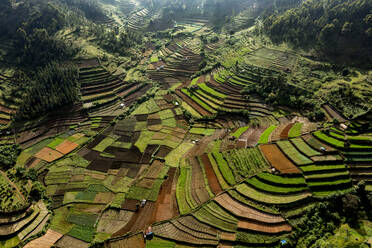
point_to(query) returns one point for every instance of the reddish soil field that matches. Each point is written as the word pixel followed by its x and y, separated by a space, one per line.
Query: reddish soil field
pixel 130 205
pixel 4 122
pixel 285 131
pixel 159 136
pixel 66 147
pixel 33 163
pixel 154 169
pixel 68 241
pixel 135 241
pixel 6 110
pixel 48 154
pixel 265 228
pixel 45 241
pixel 212 179
pixel 164 204
pixel 140 221
pixel 278 160
pixel 201 79
pixel 247 212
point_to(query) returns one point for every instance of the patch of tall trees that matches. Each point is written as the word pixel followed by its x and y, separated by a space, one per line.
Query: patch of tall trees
pixel 51 87
pixel 8 156
pixel 276 90
pixel 336 28
pixel 38 48
pixel 115 40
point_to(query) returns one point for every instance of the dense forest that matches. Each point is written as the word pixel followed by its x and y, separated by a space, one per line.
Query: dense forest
pixel 52 86
pixel 336 28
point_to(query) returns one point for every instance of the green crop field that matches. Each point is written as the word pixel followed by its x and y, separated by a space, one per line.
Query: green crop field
pixel 266 134
pixel 295 131
pixel 224 168
pixel 293 153
pixel 241 123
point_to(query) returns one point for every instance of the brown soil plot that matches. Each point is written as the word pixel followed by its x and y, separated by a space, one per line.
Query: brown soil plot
pixel 48 154
pixel 212 179
pixel 66 147
pixel 278 160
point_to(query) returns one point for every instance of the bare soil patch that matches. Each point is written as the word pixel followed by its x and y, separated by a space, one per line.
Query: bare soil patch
pixel 278 160
pixel 66 147
pixel 48 154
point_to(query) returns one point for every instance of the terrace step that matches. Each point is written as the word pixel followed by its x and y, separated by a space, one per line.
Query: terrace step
pixel 246 212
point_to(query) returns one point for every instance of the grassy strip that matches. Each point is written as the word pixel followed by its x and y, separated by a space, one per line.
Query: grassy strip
pixel 234 194
pixel 224 168
pixel 212 91
pixel 293 154
pixel 301 145
pixel 273 188
pixel 328 175
pixel 203 215
pixel 192 111
pixel 314 168
pixel 104 144
pixel 329 140
pixel 55 143
pixel 264 138
pixel 295 131
pixel 329 183
pixel 181 192
pixel 240 131
pixel 281 180
pixel 198 101
pixel 173 158
pixel 202 131
pixel 147 107
pixel 144 140
pixel 268 198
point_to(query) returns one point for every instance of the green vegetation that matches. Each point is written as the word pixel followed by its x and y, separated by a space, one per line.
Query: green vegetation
pixel 262 186
pixel 202 131
pixel 332 38
pixel 8 156
pixel 266 134
pixel 51 87
pixel 224 168
pixel 104 144
pixel 240 131
pixel 302 146
pixel 329 140
pixel 295 131
pixel 245 162
pixel 293 154
pixel 55 143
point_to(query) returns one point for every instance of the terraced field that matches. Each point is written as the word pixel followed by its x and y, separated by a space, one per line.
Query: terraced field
pixel 184 151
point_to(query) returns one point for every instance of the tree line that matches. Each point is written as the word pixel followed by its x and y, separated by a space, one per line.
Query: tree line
pixel 335 28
